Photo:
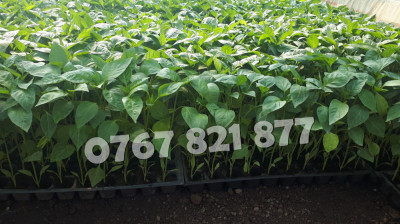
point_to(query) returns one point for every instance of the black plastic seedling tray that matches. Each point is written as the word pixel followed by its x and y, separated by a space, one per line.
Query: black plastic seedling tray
pixel 103 192
pixel 389 189
pixel 273 180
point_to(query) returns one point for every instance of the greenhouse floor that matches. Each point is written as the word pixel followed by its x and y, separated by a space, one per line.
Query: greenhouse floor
pixel 295 204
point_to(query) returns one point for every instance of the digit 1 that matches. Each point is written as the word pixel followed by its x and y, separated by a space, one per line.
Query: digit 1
pixel 237 141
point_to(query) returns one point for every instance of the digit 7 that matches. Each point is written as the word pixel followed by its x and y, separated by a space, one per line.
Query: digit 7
pixel 287 126
pixel 167 136
pixel 305 134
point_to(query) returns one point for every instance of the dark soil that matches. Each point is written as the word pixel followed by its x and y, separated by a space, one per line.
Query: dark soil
pixel 296 204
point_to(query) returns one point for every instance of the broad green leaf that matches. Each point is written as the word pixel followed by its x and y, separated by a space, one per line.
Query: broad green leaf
pixel 49 97
pixel 378 65
pixel 115 68
pixel 373 148
pixel 96 175
pixel 61 152
pixel 368 99
pixel 133 106
pixel 61 109
pixel 394 112
pixel 167 73
pixel 224 117
pixel 82 75
pixel 193 118
pixel 228 80
pixel 392 83
pixel 282 83
pixel 357 135
pixel 150 66
pixel 272 103
pixel 58 56
pixel 240 154
pixel 48 125
pixel 337 79
pixel 20 117
pixel 159 110
pixel 365 154
pixel 168 89
pixel 376 126
pixel 212 93
pixel 354 87
pixel 313 41
pixel 330 142
pixel 114 98
pixel 381 105
pixel 323 117
pixel 337 110
pixel 85 112
pixel 25 98
pixel 298 94
pixel 107 129
pixel 357 116
pixel 100 117
pixel 36 156
pixel 79 136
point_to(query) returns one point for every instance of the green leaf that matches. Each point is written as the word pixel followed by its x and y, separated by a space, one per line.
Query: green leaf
pixel 193 118
pixel 115 68
pixel 107 129
pixel 337 79
pixel 272 103
pixel 212 93
pixel 392 83
pixel 365 154
pixel 167 73
pixel 368 99
pixel 217 64
pixel 357 135
pixel 373 148
pixel 357 116
pixel 78 76
pixel 79 136
pixel 378 65
pixel 114 98
pixel 49 97
pixel 150 66
pixel 394 112
pixel 354 87
pixel 381 105
pixel 330 142
pixel 61 152
pixel 26 172
pixel 133 106
pixel 313 41
pixel 34 157
pixel 168 89
pixel 96 175
pixel 376 126
pixel 240 154
pixel 85 112
pixel 159 110
pixel 20 117
pixel 298 94
pixel 58 55
pixel 282 83
pixel 48 125
pixel 337 110
pixel 100 117
pixel 61 109
pixel 25 98
pixel 323 117
pixel 224 117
